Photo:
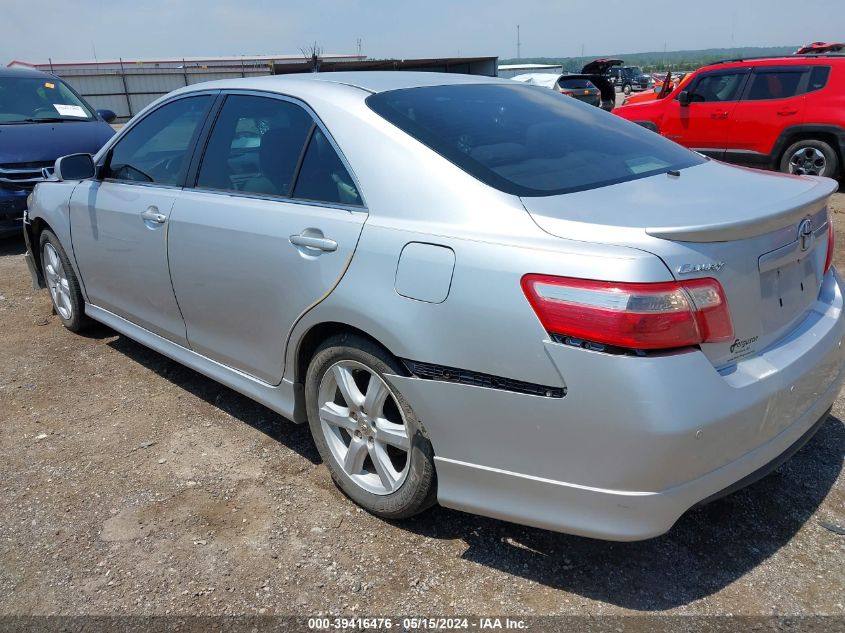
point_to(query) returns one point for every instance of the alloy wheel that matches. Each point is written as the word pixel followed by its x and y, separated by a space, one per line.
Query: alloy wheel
pixel 808 161
pixel 364 427
pixel 57 282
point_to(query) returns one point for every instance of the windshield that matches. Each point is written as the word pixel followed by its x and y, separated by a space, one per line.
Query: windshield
pixel 529 141
pixel 33 99
pixel 635 70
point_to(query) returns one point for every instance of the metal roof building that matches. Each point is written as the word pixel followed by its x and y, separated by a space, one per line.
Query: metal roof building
pixel 512 70
pixel 128 85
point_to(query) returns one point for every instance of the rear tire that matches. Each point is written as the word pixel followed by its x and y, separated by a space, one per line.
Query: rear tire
pixel 366 432
pixel 810 157
pixel 68 303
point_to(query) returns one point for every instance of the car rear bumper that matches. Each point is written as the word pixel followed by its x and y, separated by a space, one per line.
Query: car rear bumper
pixel 635 442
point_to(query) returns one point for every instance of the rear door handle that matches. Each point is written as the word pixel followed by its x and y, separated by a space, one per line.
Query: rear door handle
pixel 787 112
pixel 152 215
pixel 310 241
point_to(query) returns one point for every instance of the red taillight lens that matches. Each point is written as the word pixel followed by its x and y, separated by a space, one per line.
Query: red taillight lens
pixel 632 315
pixel 828 262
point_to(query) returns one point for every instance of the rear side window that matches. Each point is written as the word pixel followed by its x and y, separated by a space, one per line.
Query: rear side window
pixel 323 177
pixel 717 88
pixel 157 148
pixel 774 84
pixel 255 146
pixel 529 141
pixel 818 78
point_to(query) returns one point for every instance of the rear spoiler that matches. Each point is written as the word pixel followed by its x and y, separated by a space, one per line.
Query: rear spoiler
pixel 752 221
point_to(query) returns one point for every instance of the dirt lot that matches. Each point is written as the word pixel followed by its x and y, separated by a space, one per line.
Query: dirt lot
pixel 130 484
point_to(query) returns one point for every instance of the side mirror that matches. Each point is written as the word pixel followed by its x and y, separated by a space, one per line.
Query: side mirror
pixel 107 115
pixel 684 98
pixel 74 167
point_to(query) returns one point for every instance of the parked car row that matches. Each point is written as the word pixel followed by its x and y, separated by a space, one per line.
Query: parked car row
pixel 592 85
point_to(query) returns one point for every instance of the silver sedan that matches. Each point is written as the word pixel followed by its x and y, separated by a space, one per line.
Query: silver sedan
pixel 476 292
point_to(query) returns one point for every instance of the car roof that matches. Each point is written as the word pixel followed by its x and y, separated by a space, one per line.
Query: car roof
pixel 17 71
pixel 539 79
pixel 370 81
pixel 791 60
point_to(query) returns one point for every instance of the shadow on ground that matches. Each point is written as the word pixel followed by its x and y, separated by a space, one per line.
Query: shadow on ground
pixel 297 437
pixel 708 549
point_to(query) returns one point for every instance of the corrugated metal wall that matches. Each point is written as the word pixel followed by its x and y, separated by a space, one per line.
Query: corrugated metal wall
pixel 128 91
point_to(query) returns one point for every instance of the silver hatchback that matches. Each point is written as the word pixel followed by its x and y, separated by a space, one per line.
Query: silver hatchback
pixel 476 292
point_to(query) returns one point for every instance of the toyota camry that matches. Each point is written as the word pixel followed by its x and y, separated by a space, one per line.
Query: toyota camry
pixel 475 292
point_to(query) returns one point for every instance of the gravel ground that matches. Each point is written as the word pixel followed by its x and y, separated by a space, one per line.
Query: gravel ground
pixel 132 485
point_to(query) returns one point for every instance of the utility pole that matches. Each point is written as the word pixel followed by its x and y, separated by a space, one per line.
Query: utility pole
pixel 359 47
pixel 518 44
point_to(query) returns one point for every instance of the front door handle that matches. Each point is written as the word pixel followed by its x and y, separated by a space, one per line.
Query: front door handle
pixel 719 115
pixel 152 215
pixel 311 241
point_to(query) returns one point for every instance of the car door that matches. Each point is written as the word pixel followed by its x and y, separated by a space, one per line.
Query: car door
pixel 772 101
pixel 704 123
pixel 119 220
pixel 267 231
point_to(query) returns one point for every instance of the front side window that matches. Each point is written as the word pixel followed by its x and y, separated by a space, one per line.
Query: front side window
pixel 774 84
pixel 529 141
pixel 40 100
pixel 255 146
pixel 717 88
pixel 157 148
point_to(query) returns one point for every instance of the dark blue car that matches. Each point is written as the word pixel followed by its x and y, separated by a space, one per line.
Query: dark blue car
pixel 41 119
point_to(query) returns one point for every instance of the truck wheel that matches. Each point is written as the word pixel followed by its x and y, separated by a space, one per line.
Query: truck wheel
pixel 62 282
pixel 366 432
pixel 626 89
pixel 810 157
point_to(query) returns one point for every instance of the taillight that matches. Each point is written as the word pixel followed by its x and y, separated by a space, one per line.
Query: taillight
pixel 631 315
pixel 568 93
pixel 830 243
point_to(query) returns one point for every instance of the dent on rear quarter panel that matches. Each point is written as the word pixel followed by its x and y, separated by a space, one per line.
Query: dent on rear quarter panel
pixel 485 324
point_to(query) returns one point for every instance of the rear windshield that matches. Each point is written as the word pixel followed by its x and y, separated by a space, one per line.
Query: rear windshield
pixel 576 84
pixel 529 141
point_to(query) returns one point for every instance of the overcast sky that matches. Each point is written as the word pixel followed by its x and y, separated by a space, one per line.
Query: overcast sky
pixel 34 31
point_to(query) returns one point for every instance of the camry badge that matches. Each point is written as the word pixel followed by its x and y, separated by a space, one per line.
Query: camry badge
pixel 686 269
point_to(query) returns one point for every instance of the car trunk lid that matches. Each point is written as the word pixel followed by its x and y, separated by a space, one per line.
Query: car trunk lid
pixel 737 225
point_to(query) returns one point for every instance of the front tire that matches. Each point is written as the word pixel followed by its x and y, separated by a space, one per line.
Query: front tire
pixel 810 157
pixel 68 303
pixel 366 432
pixel 627 89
